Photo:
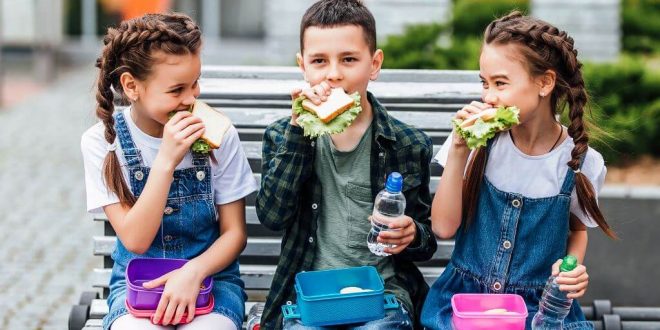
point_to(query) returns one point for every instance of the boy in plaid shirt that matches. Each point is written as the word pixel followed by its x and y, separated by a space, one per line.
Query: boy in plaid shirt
pixel 320 192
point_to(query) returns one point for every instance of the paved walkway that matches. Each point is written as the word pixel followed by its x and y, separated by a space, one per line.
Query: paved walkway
pixel 45 234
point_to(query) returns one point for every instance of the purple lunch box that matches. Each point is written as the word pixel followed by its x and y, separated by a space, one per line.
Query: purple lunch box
pixel 141 270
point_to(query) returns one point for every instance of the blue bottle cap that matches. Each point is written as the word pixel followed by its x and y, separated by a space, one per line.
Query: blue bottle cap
pixel 394 182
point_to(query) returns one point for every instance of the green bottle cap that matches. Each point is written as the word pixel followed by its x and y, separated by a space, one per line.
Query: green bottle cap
pixel 568 263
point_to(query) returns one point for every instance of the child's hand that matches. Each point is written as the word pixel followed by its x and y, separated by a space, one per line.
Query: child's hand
pixel 317 94
pixel 179 133
pixel 467 111
pixel 575 282
pixel 180 294
pixel 402 234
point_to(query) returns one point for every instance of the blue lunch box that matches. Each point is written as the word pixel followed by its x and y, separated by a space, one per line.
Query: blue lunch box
pixel 321 303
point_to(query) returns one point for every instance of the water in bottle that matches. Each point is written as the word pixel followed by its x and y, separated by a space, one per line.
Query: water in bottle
pixel 390 204
pixel 554 305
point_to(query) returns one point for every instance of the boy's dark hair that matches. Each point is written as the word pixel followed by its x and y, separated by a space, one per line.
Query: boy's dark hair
pixel 332 13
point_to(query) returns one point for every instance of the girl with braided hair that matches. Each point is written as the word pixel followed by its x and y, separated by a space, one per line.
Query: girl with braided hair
pixel 525 199
pixel 161 199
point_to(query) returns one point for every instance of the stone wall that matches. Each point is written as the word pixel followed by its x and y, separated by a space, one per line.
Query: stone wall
pixel 595 25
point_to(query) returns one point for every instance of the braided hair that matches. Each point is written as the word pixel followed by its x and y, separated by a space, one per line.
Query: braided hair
pixel 544 47
pixel 130 48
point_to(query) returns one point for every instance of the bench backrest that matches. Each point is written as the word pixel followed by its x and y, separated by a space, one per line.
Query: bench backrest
pixel 254 97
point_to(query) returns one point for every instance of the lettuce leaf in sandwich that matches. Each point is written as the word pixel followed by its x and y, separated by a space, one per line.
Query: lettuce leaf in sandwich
pixel 477 129
pixel 314 127
pixel 199 146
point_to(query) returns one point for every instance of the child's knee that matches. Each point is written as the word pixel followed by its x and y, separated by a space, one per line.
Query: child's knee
pixel 130 322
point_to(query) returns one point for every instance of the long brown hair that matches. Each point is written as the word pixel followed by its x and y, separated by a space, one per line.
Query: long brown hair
pixel 544 47
pixel 129 48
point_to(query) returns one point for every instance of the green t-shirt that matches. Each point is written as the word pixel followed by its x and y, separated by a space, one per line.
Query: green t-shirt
pixel 345 208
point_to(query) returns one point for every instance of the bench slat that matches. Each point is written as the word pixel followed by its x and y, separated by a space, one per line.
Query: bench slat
pixel 93 324
pixel 387 92
pixel 258 104
pixel 260 118
pixel 262 247
pixel 256 246
pixel 294 73
pixel 256 277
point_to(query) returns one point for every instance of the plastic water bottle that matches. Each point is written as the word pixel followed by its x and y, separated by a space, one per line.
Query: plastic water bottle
pixel 390 204
pixel 554 305
pixel 254 317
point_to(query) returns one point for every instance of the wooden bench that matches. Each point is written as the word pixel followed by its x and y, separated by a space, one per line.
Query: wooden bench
pixel 256 96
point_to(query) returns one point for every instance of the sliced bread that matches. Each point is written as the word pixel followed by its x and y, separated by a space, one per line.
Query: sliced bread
pixel 338 102
pixel 215 122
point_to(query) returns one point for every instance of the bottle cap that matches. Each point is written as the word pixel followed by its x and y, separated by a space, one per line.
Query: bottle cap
pixel 568 263
pixel 394 182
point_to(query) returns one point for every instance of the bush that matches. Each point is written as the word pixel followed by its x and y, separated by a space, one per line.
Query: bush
pixel 625 104
pixel 470 17
pixel 420 47
pixel 641 26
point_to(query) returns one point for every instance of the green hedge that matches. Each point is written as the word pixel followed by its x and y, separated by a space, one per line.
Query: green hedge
pixel 641 26
pixel 625 104
pixel 470 17
pixel 421 47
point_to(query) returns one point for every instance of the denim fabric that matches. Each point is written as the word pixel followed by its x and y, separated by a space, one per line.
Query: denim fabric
pixel 508 248
pixel 186 232
pixel 394 319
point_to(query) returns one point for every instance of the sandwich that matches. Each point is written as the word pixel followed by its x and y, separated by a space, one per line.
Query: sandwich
pixel 329 117
pixel 216 125
pixel 478 128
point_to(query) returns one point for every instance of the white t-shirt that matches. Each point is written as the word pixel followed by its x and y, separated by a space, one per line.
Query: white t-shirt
pixel 232 176
pixel 511 170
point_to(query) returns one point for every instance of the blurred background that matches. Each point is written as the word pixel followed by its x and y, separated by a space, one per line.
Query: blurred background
pixel 47 52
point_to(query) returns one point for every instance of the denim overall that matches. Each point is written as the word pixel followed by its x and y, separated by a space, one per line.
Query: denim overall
pixel 189 227
pixel 508 248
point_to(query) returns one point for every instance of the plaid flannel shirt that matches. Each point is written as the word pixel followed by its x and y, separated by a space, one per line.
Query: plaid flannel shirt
pixel 290 194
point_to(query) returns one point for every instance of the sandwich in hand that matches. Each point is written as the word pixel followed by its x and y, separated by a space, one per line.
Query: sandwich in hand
pixel 478 128
pixel 216 124
pixel 329 117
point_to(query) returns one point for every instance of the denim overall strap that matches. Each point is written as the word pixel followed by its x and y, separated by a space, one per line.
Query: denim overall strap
pixel 567 186
pixel 131 153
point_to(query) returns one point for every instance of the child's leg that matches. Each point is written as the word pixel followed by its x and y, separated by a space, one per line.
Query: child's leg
pixel 291 324
pixel 130 322
pixel 209 321
pixel 394 319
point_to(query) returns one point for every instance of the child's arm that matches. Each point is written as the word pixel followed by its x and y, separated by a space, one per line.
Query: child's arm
pixel 137 226
pixel 183 285
pixel 446 211
pixel 286 163
pixel 576 281
pixel 577 239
